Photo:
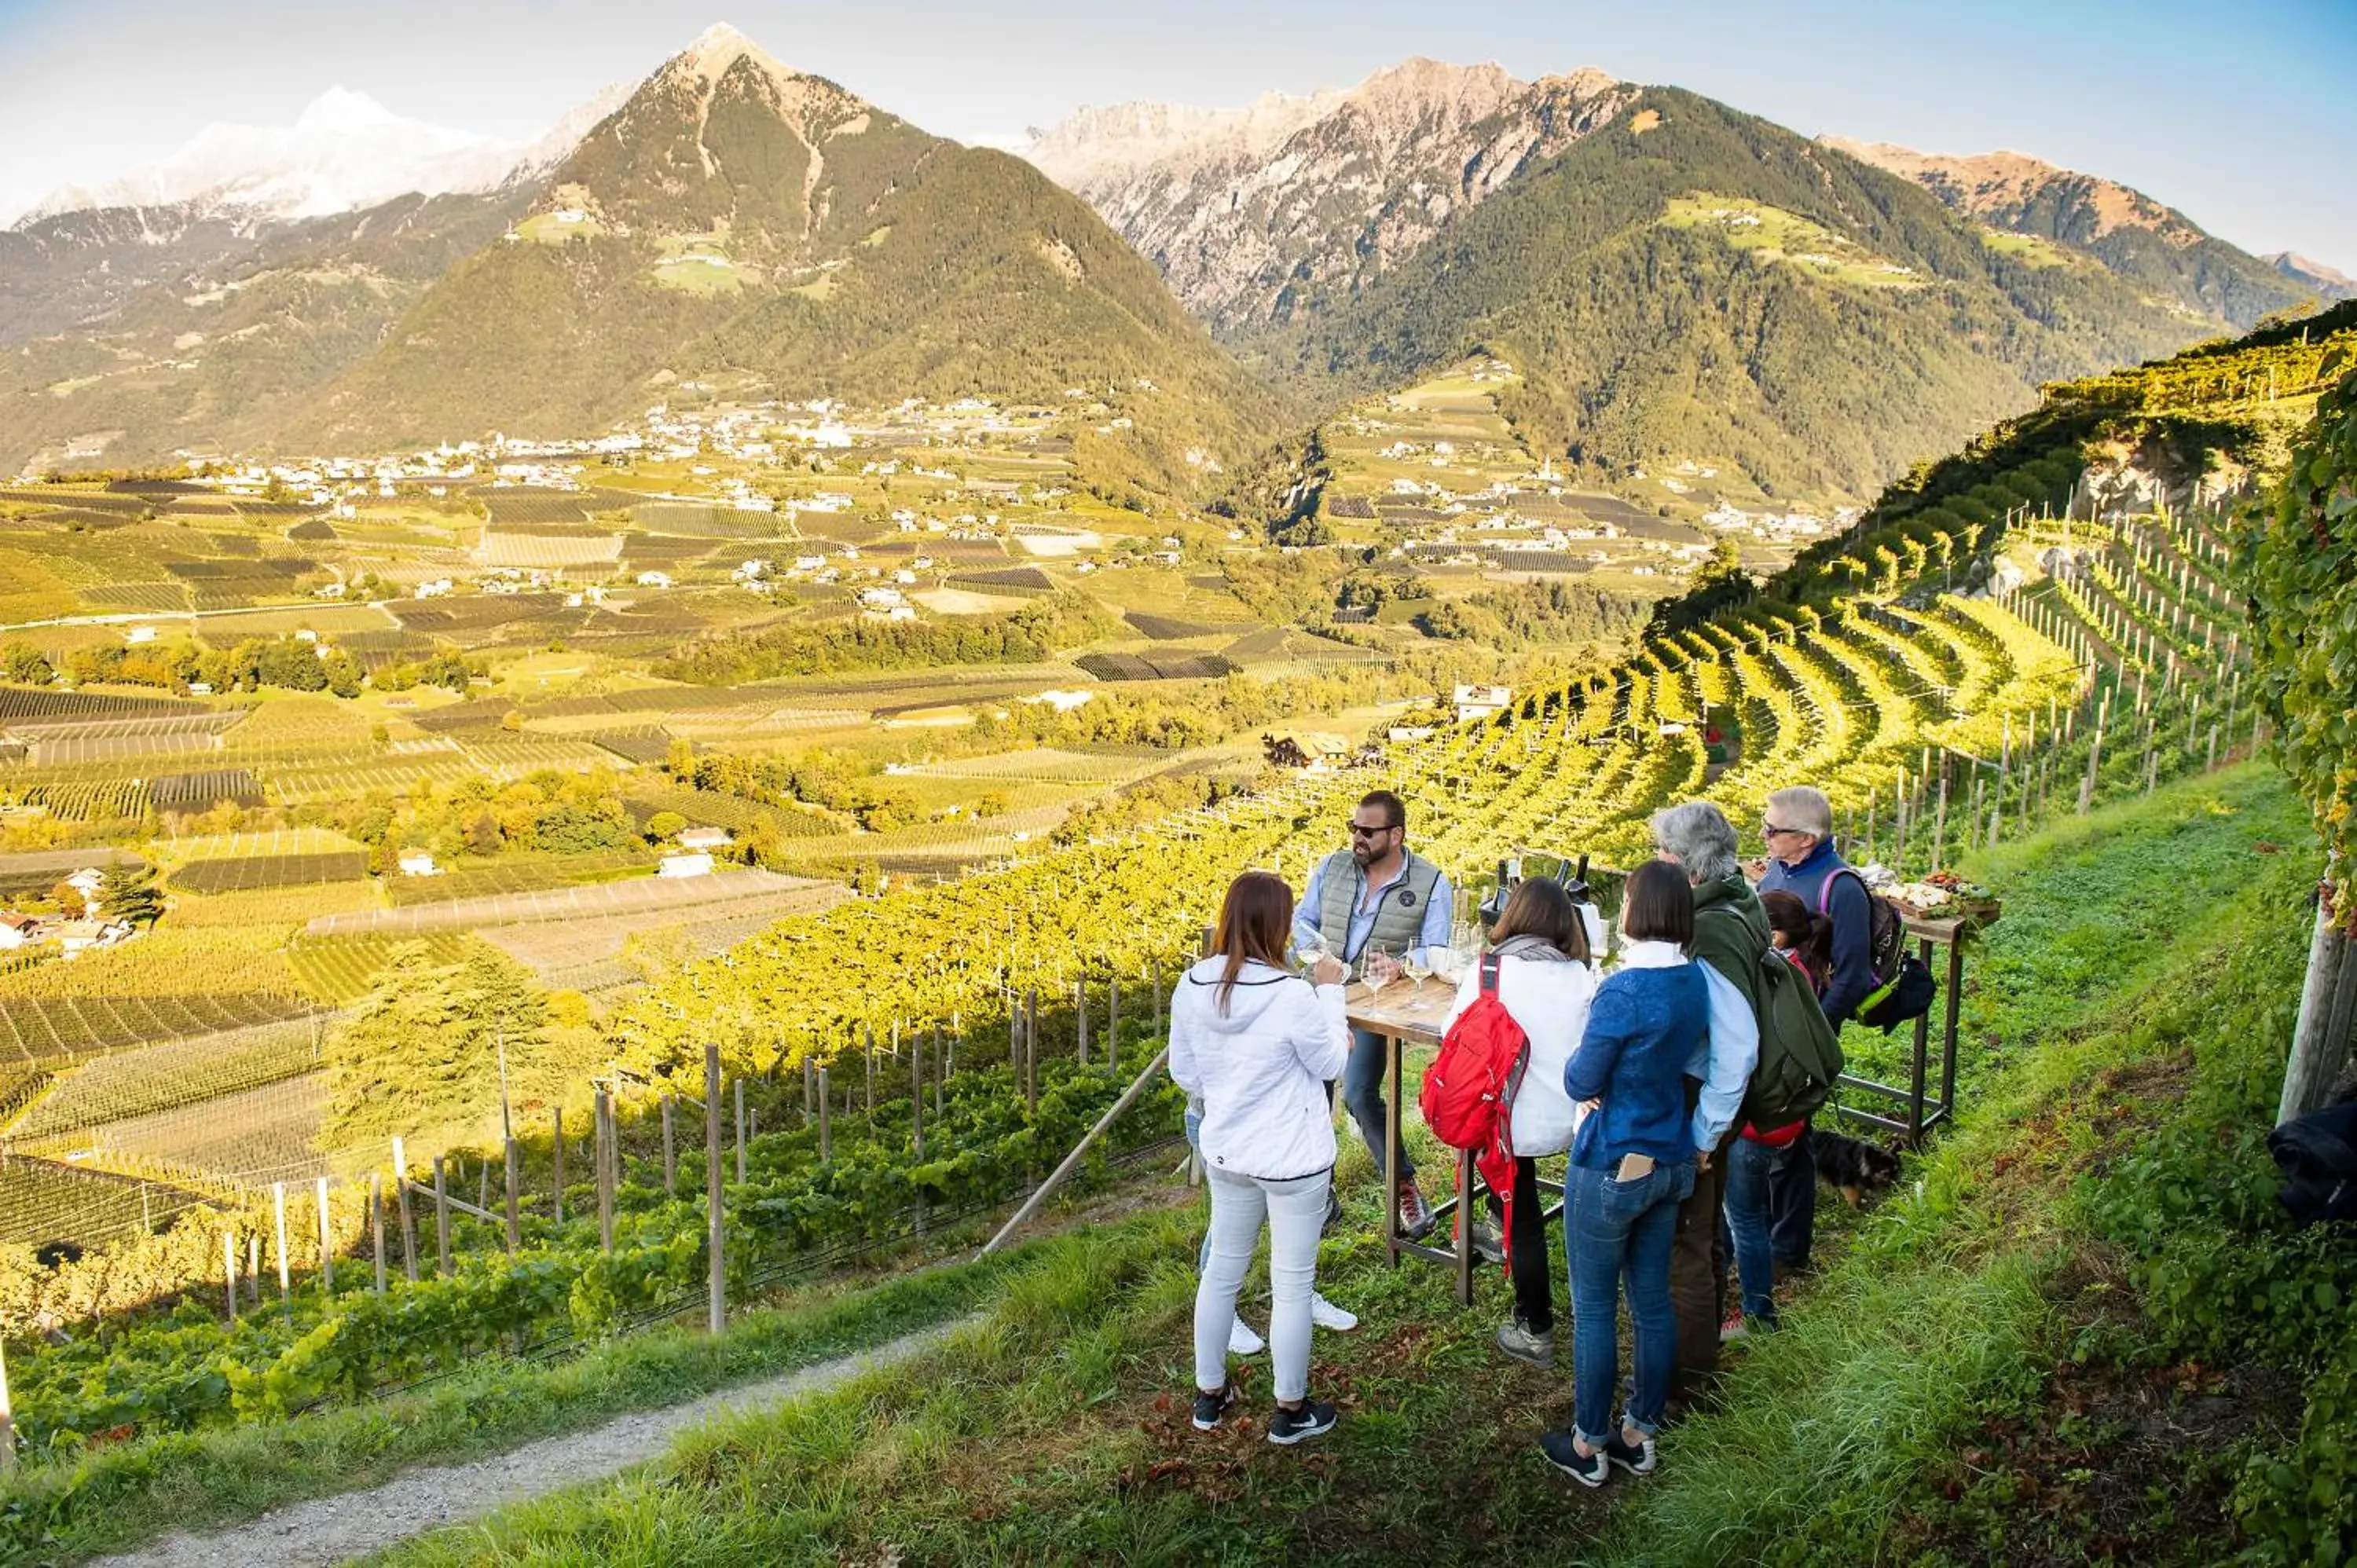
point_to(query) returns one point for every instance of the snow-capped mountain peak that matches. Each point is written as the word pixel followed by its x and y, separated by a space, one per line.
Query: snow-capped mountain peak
pixel 344 151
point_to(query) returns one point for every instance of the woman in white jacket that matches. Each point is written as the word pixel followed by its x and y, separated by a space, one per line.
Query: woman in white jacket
pixel 1546 981
pixel 1256 1047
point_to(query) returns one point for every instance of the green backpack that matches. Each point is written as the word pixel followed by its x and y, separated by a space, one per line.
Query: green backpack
pixel 1800 1054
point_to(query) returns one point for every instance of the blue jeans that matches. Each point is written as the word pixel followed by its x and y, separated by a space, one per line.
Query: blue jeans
pixel 1362 1093
pixel 1619 1232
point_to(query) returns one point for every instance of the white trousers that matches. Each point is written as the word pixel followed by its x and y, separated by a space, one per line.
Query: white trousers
pixel 1296 1212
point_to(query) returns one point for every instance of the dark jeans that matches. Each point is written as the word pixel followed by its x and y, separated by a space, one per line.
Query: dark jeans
pixel 1363 1092
pixel 1526 1254
pixel 1621 1231
pixel 1771 1206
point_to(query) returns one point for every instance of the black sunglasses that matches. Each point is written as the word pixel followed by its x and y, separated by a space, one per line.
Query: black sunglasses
pixel 1360 830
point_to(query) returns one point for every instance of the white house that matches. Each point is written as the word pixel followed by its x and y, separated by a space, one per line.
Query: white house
pixel 88 882
pixel 705 838
pixel 654 579
pixel 417 862
pixel 78 936
pixel 15 930
pixel 1482 701
pixel 693 864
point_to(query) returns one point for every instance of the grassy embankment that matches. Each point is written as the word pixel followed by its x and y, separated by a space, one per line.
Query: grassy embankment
pixel 2135 997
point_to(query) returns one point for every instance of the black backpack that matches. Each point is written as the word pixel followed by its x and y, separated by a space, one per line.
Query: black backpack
pixel 1903 986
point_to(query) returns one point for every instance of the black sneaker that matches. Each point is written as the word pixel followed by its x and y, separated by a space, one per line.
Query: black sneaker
pixel 1291 1426
pixel 1562 1453
pixel 1211 1408
pixel 1637 1459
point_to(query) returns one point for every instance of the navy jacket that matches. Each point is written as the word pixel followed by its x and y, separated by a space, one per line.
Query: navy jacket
pixel 1642 1029
pixel 1853 975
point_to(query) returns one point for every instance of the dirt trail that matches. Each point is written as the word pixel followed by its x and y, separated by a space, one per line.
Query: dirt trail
pixel 334 1529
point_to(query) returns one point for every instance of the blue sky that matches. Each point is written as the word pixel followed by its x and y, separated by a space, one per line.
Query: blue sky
pixel 2238 114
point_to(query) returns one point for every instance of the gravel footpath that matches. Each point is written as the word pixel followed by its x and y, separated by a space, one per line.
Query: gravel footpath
pixel 334 1529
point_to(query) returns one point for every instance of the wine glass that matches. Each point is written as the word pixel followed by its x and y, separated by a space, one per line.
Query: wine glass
pixel 1308 950
pixel 1373 974
pixel 1417 966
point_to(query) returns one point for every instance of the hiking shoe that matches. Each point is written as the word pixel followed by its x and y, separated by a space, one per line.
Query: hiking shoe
pixel 1526 1345
pixel 1291 1426
pixel 1326 1314
pixel 1242 1341
pixel 1416 1219
pixel 1637 1457
pixel 1211 1408
pixel 1487 1243
pixel 1562 1451
pixel 1734 1327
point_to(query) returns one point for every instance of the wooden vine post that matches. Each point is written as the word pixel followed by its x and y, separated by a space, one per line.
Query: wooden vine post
pixel 278 1216
pixel 825 1120
pixel 441 1223
pixel 376 1225
pixel 327 1242
pixel 512 1176
pixel 556 1179
pixel 604 1160
pixel 714 1227
pixel 917 1115
pixel 739 1087
pixel 408 1220
pixel 228 1269
pixel 670 1152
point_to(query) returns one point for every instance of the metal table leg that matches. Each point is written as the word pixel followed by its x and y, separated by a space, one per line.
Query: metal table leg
pixel 1922 1053
pixel 1956 1002
pixel 1391 1141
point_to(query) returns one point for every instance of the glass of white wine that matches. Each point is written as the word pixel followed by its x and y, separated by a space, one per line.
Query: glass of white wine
pixel 1376 968
pixel 1417 966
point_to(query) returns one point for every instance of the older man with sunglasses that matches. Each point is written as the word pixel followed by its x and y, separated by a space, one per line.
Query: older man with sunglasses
pixel 1380 902
pixel 1798 828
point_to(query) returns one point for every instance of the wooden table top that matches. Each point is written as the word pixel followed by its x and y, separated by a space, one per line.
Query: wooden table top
pixel 1400 1010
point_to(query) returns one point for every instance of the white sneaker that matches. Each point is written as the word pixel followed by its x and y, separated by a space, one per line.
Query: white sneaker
pixel 1326 1314
pixel 1242 1341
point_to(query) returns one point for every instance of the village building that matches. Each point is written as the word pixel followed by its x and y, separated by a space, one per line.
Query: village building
pixel 1481 702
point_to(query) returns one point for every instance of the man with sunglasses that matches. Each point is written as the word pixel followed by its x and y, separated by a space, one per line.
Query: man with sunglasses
pixel 1798 828
pixel 1379 900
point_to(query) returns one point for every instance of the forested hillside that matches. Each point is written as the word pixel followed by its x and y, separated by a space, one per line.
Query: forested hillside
pixel 2123 230
pixel 1691 281
pixel 737 220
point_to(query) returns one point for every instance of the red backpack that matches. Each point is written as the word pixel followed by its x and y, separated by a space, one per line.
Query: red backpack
pixel 1468 1090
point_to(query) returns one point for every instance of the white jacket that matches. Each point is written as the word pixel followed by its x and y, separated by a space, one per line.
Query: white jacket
pixel 1550 1001
pixel 1260 1071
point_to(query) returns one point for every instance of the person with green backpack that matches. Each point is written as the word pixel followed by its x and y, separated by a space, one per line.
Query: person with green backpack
pixel 1730 934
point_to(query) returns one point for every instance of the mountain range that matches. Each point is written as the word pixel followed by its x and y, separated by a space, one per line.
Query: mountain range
pixel 1671 278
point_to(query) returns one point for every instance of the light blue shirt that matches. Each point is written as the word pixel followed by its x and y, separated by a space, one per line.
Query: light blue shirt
pixel 1439 911
pixel 1723 1060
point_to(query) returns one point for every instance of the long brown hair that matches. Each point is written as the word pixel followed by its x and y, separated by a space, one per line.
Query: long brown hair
pixel 1540 908
pixel 1255 922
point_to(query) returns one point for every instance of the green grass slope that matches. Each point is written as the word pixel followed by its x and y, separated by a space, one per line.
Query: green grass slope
pixel 2128 1008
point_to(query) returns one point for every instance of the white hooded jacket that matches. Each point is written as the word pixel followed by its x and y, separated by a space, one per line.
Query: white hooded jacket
pixel 1260 1070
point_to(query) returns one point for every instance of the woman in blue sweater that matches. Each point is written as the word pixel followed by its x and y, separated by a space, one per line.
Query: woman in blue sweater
pixel 1632 1162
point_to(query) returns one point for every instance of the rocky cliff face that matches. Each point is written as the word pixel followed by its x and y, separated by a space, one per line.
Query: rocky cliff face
pixel 1253 213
